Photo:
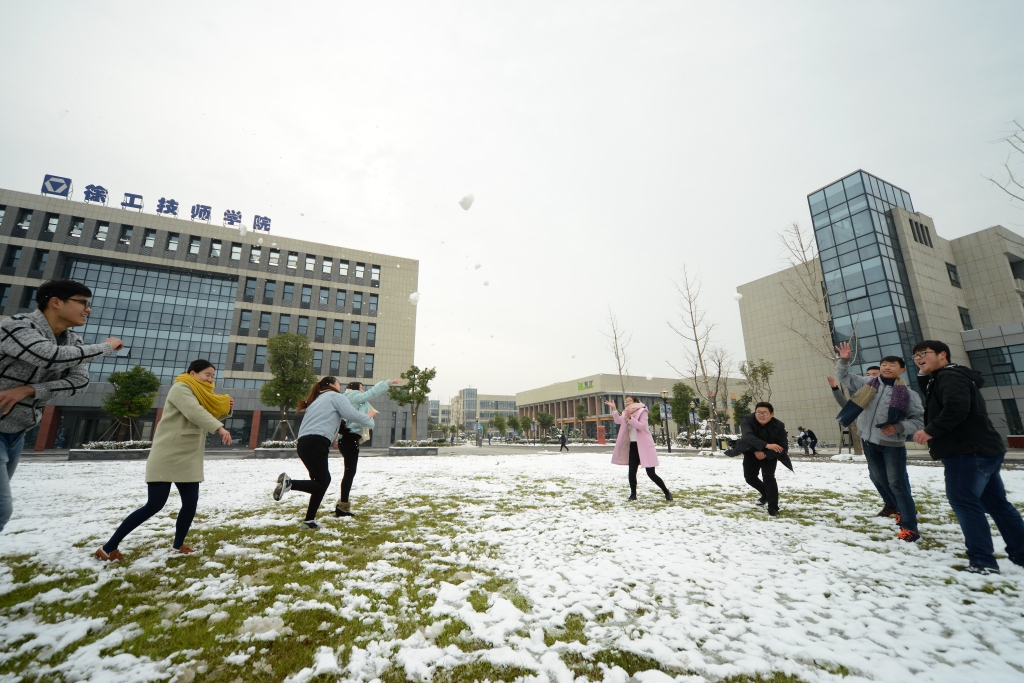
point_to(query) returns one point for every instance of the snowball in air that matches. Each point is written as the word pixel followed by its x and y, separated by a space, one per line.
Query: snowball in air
pixel 273 244
pixel 259 241
pixel 737 296
pixel 476 266
pixel 242 229
pixel 486 283
pixel 414 297
pixel 650 377
pixel 466 202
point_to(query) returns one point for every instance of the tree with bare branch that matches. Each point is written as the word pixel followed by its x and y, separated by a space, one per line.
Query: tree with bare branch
pixel 1014 183
pixel 618 342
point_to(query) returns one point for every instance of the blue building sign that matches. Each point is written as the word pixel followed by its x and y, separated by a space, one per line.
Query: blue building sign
pixel 96 193
pixel 232 217
pixel 167 206
pixel 132 201
pixel 201 212
pixel 56 185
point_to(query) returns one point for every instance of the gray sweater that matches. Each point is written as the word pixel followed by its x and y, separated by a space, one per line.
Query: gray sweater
pixel 878 410
pixel 323 417
pixel 30 354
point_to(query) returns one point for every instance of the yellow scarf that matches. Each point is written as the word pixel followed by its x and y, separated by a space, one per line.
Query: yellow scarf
pixel 215 404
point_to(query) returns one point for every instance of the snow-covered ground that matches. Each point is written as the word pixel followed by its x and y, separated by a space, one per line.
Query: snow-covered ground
pixel 528 566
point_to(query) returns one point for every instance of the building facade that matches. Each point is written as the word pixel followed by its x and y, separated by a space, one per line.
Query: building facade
pixel 175 290
pixel 888 280
pixel 472 409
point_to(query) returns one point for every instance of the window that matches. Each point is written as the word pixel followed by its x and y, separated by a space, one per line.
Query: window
pixel 353 333
pixel 78 225
pixel 215 249
pixel 24 219
pixel 172 242
pixel 265 321
pixel 303 327
pixel 921 233
pixel 327 266
pixel 40 258
pixel 194 243
pixel 293 259
pixel 244 321
pixel 307 294
pixel 325 295
pixel 375 276
pixel 339 328
pixel 965 318
pixel 373 303
pixel 261 358
pixel 343 268
pixel 353 360
pixel 125 237
pixel 13 256
pixel 4 290
pixel 1001 366
pixel 250 287
pixel 3 212
pixel 51 222
pixel 236 251
pixel 954 276
pixel 1012 413
pixel 357 302
pixel 284 324
pixel 28 298
pixel 368 365
pixel 240 351
pixel 371 333
pixel 289 291
pixel 310 263
pixel 269 290
pixel 335 363
pixel 254 254
pixel 318 360
pixel 321 329
pixel 275 257
pixel 102 229
pixel 360 269
pixel 339 299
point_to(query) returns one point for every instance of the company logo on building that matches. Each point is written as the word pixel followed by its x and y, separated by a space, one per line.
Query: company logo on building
pixel 56 185
pixel 589 384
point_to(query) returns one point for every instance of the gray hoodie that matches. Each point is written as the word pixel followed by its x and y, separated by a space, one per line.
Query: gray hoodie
pixel 877 411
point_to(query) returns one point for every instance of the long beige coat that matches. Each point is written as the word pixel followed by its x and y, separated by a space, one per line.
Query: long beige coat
pixel 177 453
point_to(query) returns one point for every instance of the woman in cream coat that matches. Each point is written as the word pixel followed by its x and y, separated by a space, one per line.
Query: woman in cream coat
pixel 191 411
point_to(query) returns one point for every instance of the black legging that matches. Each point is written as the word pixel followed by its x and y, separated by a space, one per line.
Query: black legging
pixel 158 492
pixel 634 465
pixel 313 451
pixel 348 444
pixel 769 488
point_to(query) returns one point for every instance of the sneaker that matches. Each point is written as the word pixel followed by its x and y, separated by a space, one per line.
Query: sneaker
pixel 185 549
pixel 112 556
pixel 899 519
pixel 984 571
pixel 773 511
pixel 668 496
pixel 632 496
pixel 284 485
pixel 310 524
pixel 908 536
pixel 886 511
pixel 762 500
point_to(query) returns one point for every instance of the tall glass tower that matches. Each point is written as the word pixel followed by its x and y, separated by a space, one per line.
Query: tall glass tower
pixel 865 278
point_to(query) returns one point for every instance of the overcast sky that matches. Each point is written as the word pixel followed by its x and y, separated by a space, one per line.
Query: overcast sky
pixel 606 144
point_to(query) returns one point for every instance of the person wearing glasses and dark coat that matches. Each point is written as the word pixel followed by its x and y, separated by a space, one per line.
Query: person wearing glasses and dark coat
pixel 40 359
pixel 764 444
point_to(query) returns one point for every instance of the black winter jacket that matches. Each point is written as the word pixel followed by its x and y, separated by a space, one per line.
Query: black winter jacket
pixel 755 437
pixel 955 415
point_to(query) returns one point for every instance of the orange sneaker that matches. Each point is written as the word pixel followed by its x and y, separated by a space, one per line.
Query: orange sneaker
pixel 908 536
pixel 184 549
pixel 112 556
pixel 896 516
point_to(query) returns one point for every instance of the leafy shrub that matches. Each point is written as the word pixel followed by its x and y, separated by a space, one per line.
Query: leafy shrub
pixel 278 444
pixel 117 445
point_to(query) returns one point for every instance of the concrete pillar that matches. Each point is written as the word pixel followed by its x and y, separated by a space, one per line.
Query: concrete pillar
pixel 48 428
pixel 254 431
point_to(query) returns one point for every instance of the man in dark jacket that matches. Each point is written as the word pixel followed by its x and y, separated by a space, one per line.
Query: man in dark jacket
pixel 763 444
pixel 959 432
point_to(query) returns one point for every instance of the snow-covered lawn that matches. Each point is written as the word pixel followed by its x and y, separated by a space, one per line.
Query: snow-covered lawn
pixel 517 567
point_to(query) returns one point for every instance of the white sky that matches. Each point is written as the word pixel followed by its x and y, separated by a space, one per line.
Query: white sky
pixel 606 143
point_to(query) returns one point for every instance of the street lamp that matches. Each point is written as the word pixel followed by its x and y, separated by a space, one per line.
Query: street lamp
pixel 664 419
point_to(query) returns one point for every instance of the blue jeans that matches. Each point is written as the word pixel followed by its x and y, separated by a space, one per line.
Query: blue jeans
pixel 974 488
pixel 887 466
pixel 10 454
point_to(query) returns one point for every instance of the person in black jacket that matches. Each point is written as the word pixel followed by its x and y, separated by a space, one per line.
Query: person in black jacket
pixel 959 432
pixel 763 443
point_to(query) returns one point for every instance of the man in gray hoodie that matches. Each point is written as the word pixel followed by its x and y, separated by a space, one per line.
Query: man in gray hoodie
pixel 41 358
pixel 886 411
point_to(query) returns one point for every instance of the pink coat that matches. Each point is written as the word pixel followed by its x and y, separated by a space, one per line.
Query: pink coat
pixel 644 440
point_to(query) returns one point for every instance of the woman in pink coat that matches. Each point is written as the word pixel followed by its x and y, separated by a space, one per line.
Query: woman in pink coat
pixel 634 446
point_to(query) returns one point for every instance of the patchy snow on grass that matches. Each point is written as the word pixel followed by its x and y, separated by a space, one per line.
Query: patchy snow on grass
pixel 534 567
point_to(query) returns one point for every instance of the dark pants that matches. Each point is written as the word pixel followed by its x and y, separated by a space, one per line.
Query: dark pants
pixel 562 446
pixel 158 492
pixel 313 451
pixel 887 466
pixel 810 446
pixel 974 489
pixel 634 465
pixel 348 444
pixel 769 488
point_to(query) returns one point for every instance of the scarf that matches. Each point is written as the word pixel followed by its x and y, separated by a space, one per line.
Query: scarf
pixel 898 402
pixel 215 404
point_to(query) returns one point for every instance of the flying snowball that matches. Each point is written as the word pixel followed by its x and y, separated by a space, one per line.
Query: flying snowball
pixel 242 229
pixel 273 244
pixel 737 296
pixel 476 266
pixel 414 298
pixel 650 377
pixel 259 241
pixel 486 283
pixel 466 202
pixel 574 355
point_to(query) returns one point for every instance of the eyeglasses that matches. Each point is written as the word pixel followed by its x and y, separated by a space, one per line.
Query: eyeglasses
pixel 919 356
pixel 86 304
pixel 761 412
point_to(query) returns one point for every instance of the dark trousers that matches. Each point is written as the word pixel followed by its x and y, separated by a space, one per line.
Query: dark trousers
pixel 562 446
pixel 768 488
pixel 634 465
pixel 887 467
pixel 158 493
pixel 313 451
pixel 975 488
pixel 348 444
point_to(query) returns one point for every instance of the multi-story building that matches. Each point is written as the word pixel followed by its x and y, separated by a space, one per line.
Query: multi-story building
pixel 445 414
pixel 888 280
pixel 175 290
pixel 472 409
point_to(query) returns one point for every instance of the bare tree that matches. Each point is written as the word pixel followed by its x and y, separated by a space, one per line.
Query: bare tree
pixel 618 342
pixel 1014 183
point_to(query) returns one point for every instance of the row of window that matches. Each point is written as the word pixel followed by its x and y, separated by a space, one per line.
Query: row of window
pixel 284 325
pixel 921 234
pixel 306 295
pixel 334 357
pixel 855 185
pixel 1001 366
pixel 13 257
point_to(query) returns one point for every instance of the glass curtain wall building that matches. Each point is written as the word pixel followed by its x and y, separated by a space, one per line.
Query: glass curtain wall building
pixel 865 277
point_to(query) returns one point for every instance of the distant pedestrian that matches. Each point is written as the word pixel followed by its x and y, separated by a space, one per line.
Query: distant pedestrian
pixel 563 441
pixel 959 432
pixel 191 410
pixel 489 439
pixel 886 412
pixel 634 445
pixel 41 358
pixel 809 440
pixel 763 444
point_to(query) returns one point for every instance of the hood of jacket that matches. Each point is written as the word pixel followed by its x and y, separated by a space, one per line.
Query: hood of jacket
pixel 976 378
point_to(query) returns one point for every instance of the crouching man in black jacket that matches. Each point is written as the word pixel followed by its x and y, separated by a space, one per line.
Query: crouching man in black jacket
pixel 763 444
pixel 959 432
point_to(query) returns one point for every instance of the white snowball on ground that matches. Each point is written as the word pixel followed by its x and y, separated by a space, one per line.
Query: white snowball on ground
pixel 737 296
pixel 414 297
pixel 466 202
pixel 650 377
pixel 476 266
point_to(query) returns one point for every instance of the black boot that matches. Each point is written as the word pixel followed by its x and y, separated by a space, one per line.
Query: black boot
pixel 762 500
pixel 773 510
